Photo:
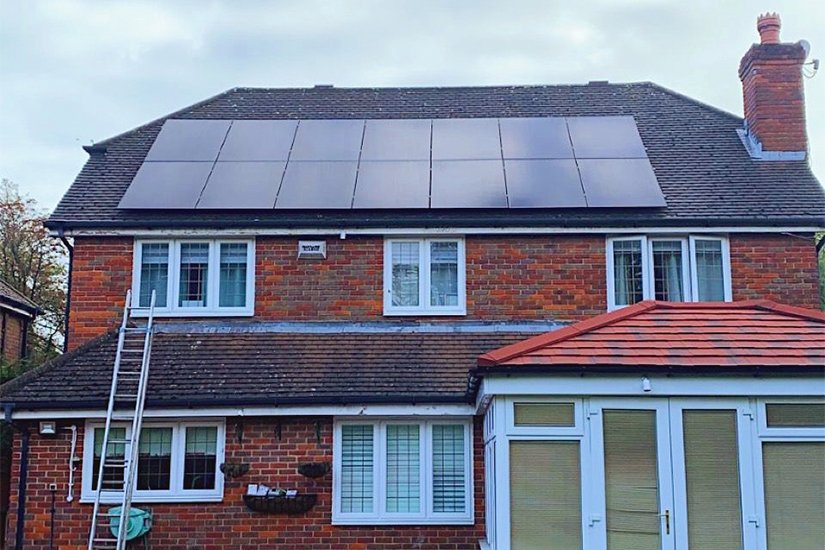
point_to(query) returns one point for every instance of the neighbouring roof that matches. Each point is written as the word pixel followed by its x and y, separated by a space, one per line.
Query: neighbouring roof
pixel 205 367
pixel 10 296
pixel 740 336
pixel 703 169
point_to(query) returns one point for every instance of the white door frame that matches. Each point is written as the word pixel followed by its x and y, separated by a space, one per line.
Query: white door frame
pixel 597 515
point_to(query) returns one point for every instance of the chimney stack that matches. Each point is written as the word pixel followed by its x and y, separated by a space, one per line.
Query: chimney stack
pixel 774 96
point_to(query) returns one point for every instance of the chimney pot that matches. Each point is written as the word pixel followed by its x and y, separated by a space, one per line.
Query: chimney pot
pixel 768 26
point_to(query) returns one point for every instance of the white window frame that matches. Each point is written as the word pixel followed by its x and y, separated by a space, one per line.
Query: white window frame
pixel 212 309
pixel 176 493
pixel 424 252
pixel 379 515
pixel 689 268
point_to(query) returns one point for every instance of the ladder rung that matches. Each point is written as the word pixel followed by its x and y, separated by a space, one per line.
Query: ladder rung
pixel 120 441
pixel 123 417
pixel 125 395
pixel 131 351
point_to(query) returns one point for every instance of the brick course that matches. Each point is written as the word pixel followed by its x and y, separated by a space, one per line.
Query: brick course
pixel 229 524
pixel 508 277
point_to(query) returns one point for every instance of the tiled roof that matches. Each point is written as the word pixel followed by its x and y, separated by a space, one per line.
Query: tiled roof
pixel 270 368
pixel 13 297
pixel 664 335
pixel 700 162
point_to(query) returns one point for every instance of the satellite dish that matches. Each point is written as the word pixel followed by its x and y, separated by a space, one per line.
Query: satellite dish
pixel 806 46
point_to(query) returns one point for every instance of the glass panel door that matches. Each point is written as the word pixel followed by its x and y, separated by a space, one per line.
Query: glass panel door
pixel 632 496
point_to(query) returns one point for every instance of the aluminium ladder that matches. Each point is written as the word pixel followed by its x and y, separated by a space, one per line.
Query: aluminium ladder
pixel 116 475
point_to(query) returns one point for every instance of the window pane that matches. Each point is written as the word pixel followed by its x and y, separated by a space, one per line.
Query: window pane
pixel 712 473
pixel 668 277
pixel 154 459
pixel 403 468
pixel 233 275
pixel 112 476
pixel 710 276
pixel 356 468
pixel 631 480
pixel 449 483
pixel 544 414
pixel 627 272
pixel 194 267
pixel 444 274
pixel 201 457
pixel 154 273
pixel 405 274
pixel 795 415
pixel 545 495
pixel 794 489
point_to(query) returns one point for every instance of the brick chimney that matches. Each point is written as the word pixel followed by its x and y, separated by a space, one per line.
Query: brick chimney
pixel 774 96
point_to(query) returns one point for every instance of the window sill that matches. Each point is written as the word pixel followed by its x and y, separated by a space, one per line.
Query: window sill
pixel 407 521
pixel 196 313
pixel 146 499
pixel 425 312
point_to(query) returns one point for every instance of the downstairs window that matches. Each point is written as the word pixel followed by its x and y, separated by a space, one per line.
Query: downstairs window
pixel 402 472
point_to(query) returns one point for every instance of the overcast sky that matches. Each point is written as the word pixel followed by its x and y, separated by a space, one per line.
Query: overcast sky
pixel 73 72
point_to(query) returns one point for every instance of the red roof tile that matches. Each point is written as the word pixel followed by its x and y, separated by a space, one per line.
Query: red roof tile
pixel 668 334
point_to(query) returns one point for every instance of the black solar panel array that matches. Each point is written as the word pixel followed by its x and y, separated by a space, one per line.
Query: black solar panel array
pixel 549 162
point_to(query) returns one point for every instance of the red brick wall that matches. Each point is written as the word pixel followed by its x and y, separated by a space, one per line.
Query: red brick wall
pixel 12 326
pixel 782 268
pixel 508 277
pixel 229 524
pixel 101 275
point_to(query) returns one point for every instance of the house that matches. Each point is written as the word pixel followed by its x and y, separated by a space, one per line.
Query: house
pixel 529 317
pixel 16 315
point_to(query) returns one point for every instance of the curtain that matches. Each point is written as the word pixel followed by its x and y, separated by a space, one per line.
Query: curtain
pixel 232 275
pixel 627 272
pixel 709 271
pixel 405 260
pixel 444 274
pixel 668 276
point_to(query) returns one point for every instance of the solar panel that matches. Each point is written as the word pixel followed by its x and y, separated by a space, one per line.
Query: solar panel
pixel 242 185
pixel 327 140
pixel 535 138
pixel 166 185
pixel 605 137
pixel 396 140
pixel 620 183
pixel 466 139
pixel 468 184
pixel 317 185
pixel 393 184
pixel 259 140
pixel 189 140
pixel 544 184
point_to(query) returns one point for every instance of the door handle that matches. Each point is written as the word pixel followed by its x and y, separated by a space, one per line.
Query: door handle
pixel 666 515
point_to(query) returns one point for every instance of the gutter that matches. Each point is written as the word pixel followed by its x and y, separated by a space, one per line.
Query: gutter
pixel 70 249
pixel 22 477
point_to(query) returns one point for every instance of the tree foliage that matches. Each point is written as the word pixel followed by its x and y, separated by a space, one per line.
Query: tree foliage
pixel 34 263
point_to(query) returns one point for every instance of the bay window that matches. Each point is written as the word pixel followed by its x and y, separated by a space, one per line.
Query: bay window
pixel 675 269
pixel 177 462
pixel 424 277
pixel 402 472
pixel 195 277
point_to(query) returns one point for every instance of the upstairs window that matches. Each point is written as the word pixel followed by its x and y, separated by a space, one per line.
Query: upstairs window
pixel 424 277
pixel 195 277
pixel 675 269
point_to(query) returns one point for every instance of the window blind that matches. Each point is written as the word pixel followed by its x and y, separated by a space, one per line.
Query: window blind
pixel 795 415
pixel 403 468
pixel 631 480
pixel 545 495
pixel 448 468
pixel 712 473
pixel 357 468
pixel 544 414
pixel 794 494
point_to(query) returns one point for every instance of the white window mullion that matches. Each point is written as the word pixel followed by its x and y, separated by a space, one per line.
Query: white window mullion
pixel 175 276
pixel 687 293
